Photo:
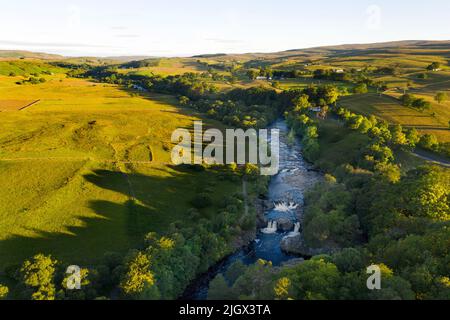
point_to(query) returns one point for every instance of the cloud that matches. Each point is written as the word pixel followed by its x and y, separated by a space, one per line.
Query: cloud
pixel 51 44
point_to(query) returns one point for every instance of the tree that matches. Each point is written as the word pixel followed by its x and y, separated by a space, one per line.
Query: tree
pixel 330 94
pixel 428 141
pixel 3 291
pixel 235 271
pixel 184 101
pixel 425 192
pixel 38 274
pixel 407 100
pixel 365 125
pixel 138 275
pixel 85 283
pixel 413 137
pixel 398 137
pixel 256 283
pixel 349 260
pixel 251 170
pixel 360 88
pixel 393 287
pixel 421 104
pixel 381 154
pixel 311 132
pixel 219 289
pixel 355 121
pixel 301 103
pixel 311 149
pixel 281 288
pixel 252 74
pixel 434 66
pixel 440 97
pixel 315 279
pixel 390 171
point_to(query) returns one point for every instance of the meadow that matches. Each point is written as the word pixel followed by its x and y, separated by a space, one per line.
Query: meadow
pixel 170 67
pixel 87 170
pixel 388 107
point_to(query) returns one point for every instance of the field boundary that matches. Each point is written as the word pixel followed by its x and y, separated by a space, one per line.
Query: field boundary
pixel 30 104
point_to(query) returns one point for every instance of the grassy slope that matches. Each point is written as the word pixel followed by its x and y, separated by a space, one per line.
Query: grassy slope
pixel 170 67
pixel 66 192
pixel 340 145
pixel 434 121
pixel 25 67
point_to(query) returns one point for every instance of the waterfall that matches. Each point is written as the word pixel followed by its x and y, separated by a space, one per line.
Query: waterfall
pixel 296 231
pixel 285 207
pixel 272 227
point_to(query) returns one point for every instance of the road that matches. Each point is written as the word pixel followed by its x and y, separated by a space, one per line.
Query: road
pixel 427 156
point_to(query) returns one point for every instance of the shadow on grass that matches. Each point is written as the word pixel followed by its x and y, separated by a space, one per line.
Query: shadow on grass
pixel 155 203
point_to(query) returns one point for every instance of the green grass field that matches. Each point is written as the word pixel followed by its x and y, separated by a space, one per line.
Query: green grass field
pixel 87 170
pixel 302 83
pixel 170 67
pixel 25 67
pixel 434 121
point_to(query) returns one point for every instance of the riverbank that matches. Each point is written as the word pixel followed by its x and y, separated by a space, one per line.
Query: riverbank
pixel 281 210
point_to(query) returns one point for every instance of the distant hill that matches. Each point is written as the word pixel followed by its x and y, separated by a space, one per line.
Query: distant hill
pixel 129 58
pixel 341 50
pixel 416 46
pixel 17 54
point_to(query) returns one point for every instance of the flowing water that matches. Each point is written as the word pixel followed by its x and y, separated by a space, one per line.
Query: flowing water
pixel 286 192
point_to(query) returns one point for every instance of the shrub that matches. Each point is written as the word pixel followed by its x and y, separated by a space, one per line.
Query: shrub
pixel 361 88
pixel 428 141
pixel 3 292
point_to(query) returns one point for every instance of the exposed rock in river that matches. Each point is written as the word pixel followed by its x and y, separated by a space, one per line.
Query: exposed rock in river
pixel 261 220
pixel 296 245
pixel 285 224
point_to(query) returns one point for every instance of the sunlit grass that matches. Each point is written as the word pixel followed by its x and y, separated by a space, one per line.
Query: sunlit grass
pixel 87 170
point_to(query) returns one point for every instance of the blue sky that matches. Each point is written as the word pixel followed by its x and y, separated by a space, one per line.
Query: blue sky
pixel 186 27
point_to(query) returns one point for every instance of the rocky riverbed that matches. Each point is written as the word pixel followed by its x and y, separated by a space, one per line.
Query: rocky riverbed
pixel 278 237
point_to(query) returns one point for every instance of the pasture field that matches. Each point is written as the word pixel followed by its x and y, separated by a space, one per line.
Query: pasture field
pixel 434 121
pixel 305 82
pixel 170 67
pixel 26 67
pixel 87 170
pixel 15 105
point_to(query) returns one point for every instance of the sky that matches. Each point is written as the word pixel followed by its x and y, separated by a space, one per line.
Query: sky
pixel 188 27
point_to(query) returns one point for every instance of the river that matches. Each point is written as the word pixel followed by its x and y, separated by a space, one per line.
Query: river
pixel 286 192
